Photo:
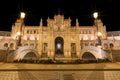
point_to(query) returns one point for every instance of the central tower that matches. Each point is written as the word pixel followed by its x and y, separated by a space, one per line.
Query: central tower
pixel 58 39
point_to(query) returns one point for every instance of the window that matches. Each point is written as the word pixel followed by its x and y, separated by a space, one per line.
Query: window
pixel 35 38
pixel 89 37
pixel 32 44
pixel 45 47
pixel 34 31
pixel 105 45
pixel 6 45
pixel 11 46
pixel 31 32
pixel 27 31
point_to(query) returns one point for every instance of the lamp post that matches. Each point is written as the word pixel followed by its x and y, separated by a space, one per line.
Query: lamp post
pixel 99 34
pixel 95 15
pixel 18 38
pixel 22 16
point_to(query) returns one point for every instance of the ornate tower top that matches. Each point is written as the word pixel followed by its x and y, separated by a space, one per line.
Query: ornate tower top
pixel 77 23
pixel 41 22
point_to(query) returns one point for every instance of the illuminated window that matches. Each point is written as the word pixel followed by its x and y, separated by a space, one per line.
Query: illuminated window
pixel 58 46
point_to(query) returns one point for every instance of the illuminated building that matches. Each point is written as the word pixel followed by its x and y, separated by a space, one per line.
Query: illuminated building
pixel 57 40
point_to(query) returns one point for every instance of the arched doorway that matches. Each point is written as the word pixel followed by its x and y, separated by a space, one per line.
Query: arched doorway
pixel 87 56
pixel 59 46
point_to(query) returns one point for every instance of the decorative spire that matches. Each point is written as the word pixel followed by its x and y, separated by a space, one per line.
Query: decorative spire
pixel 77 23
pixel 69 19
pixel 41 22
pixel 48 18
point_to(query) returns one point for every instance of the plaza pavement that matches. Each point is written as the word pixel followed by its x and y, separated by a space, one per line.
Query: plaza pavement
pixel 91 71
pixel 53 67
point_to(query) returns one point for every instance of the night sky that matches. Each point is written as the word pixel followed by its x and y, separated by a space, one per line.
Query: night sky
pixel 109 12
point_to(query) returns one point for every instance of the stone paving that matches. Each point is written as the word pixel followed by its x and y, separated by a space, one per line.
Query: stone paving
pixel 100 71
pixel 59 75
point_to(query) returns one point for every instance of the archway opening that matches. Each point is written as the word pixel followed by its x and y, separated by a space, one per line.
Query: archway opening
pixel 87 56
pixel 30 56
pixel 59 46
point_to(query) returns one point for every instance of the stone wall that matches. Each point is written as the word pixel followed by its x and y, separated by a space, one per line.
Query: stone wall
pixel 116 55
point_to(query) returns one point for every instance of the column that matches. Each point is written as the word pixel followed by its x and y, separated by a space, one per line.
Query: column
pixel 77 45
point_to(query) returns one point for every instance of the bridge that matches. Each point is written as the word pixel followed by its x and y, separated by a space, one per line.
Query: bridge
pixel 28 52
pixel 97 52
pixel 22 52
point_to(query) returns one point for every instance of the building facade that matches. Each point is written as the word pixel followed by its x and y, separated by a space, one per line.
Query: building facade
pixel 58 38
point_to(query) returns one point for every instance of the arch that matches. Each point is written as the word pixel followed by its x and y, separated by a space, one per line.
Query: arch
pixel 45 48
pixel 11 46
pixel 27 54
pixel 32 44
pixel 111 45
pixel 5 45
pixel 95 51
pixel 20 53
pixel 105 46
pixel 73 47
pixel 30 55
pixel 88 56
pixel 59 45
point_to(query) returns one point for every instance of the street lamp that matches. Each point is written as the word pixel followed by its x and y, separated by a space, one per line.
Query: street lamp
pixel 22 16
pixel 99 34
pixel 95 15
pixel 18 38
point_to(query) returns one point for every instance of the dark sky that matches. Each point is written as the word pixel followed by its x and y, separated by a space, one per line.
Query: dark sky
pixel 109 11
